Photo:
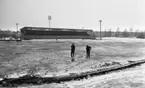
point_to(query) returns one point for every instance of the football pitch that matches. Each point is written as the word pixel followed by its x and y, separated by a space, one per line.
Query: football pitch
pixel 52 57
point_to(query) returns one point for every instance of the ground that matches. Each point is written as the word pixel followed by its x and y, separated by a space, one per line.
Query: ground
pixel 52 57
pixel 129 78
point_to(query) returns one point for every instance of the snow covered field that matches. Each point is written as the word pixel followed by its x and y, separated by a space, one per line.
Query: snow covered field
pixel 51 58
pixel 129 78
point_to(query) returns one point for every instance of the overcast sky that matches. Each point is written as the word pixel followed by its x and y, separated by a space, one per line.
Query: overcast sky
pixel 73 13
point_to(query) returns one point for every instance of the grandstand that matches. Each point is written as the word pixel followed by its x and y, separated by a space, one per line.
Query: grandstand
pixel 55 33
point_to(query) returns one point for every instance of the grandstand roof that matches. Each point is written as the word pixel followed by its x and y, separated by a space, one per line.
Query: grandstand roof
pixel 53 29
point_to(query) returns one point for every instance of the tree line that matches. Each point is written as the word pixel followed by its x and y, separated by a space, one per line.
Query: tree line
pixel 106 33
pixel 118 33
pixel 8 33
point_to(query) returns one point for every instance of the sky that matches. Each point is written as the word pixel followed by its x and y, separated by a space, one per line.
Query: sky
pixel 124 14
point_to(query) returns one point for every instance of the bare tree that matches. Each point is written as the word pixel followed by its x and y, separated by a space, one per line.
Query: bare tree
pixel 104 33
pixel 125 33
pixel 136 33
pixel 108 33
pixel 131 32
pixel 117 34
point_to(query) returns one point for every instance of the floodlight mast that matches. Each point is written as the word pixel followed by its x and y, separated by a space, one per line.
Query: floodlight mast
pixel 49 18
pixel 17 27
pixel 100 30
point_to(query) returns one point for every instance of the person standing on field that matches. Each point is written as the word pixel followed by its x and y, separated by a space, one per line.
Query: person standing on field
pixel 72 50
pixel 88 49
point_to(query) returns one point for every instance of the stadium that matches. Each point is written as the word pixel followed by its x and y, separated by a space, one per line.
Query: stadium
pixel 55 33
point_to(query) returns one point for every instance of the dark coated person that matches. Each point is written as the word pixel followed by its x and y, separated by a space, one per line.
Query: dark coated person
pixel 72 50
pixel 88 49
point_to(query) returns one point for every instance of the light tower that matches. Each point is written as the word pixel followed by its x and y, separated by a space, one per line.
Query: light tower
pixel 100 29
pixel 17 27
pixel 49 18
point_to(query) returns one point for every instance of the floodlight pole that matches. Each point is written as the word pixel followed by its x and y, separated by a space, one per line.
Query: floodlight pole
pixel 17 26
pixel 49 23
pixel 49 18
pixel 17 29
pixel 100 29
